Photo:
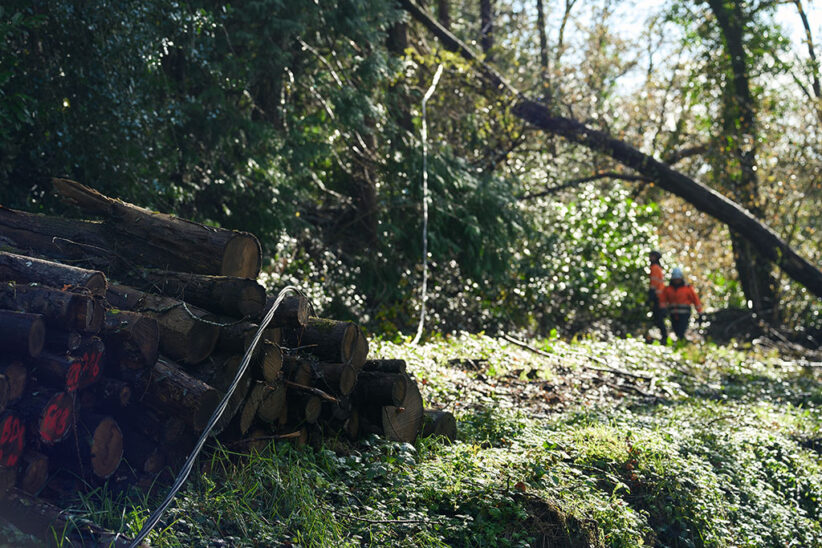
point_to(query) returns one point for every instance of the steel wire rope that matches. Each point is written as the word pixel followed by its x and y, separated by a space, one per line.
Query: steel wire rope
pixel 424 137
pixel 154 518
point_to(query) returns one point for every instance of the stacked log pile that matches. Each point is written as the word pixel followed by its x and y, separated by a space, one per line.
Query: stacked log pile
pixel 120 337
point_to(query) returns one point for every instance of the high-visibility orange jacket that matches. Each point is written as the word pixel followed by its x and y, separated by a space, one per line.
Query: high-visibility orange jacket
pixel 678 299
pixel 657 279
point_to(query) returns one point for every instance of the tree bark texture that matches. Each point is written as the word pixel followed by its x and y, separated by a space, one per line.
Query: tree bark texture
pixel 24 269
pixel 181 244
pixel 187 333
pixel 22 333
pixel 167 388
pixel 229 295
pixel 60 309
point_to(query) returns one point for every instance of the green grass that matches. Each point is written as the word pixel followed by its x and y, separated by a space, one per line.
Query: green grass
pixel 715 449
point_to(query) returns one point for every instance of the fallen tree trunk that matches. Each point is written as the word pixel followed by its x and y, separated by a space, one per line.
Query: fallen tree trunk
pixel 705 199
pixel 181 244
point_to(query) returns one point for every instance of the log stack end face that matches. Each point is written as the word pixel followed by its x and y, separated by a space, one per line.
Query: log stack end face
pixel 242 256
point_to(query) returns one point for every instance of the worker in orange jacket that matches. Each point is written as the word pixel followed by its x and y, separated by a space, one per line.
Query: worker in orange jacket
pixel 677 298
pixel 655 288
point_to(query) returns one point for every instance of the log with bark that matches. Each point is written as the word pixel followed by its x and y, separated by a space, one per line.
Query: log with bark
pixel 48 522
pixel 63 342
pixel 170 390
pixel 133 339
pixel 95 451
pixel 170 241
pixel 236 337
pixel 70 372
pixel 60 309
pixel 24 269
pixel 22 333
pixel 330 340
pixel 47 414
pixel 403 422
pixel 219 372
pixel 232 296
pixel 439 423
pixel 380 389
pixel 16 375
pixel 187 334
pixel 294 311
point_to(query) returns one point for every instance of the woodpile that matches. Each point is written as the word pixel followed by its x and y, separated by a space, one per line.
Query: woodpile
pixel 120 337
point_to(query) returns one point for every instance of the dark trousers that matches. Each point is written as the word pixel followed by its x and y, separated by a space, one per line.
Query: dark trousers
pixel 657 313
pixel 679 322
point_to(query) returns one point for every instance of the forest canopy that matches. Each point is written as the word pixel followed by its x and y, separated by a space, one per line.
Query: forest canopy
pixel 300 122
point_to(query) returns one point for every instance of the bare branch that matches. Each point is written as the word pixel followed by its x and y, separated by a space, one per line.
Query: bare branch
pixel 577 182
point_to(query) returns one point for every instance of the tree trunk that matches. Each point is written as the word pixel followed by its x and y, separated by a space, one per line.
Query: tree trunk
pixel 380 389
pixel 172 391
pixel 16 374
pixel 236 297
pixel 294 311
pixel 177 243
pixel 125 332
pixel 60 309
pixel 219 372
pixel 331 341
pixel 235 338
pixel 701 197
pixel 22 333
pixel 23 269
pixel 543 42
pixel 70 372
pixel 63 342
pixel 187 333
pixel 444 13
pixel 48 415
pixel 46 521
pixel 487 28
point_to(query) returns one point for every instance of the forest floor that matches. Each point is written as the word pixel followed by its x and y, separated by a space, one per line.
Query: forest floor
pixel 561 443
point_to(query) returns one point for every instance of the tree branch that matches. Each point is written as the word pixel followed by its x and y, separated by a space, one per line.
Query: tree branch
pixel 703 198
pixel 581 180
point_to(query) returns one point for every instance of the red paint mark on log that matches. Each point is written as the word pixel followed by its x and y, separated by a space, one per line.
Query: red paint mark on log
pixel 12 440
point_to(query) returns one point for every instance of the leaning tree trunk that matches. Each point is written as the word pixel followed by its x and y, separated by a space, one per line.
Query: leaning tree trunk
pixel 726 211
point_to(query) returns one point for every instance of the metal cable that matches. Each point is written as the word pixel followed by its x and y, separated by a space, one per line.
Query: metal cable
pixel 154 518
pixel 424 296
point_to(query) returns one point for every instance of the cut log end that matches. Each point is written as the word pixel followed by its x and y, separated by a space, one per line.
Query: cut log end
pixel 251 301
pixel 106 448
pixel 242 257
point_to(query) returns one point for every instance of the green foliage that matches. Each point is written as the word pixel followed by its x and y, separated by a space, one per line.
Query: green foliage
pixel 722 459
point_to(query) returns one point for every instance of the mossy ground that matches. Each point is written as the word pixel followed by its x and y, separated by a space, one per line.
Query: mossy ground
pixel 587 443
